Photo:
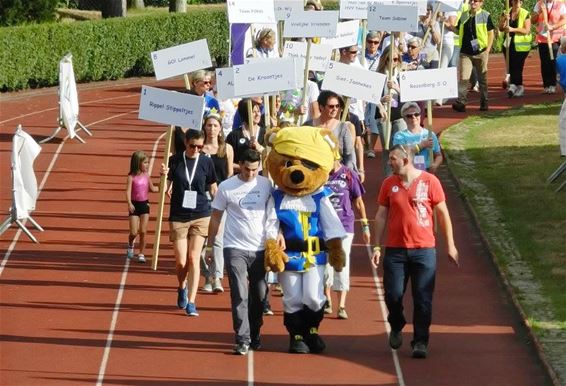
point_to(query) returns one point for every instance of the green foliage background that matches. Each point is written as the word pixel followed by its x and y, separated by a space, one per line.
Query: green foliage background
pixel 103 49
pixel 116 48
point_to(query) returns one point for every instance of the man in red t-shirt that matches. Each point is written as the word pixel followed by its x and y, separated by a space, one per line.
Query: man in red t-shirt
pixel 407 200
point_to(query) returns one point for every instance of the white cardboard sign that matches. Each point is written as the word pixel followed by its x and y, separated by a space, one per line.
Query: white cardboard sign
pixel 171 107
pixel 310 24
pixel 422 85
pixel 354 82
pixel 346 35
pixel 259 79
pixel 319 54
pixel 396 16
pixel 449 5
pixel 251 11
pixel 284 8
pixel 354 9
pixel 225 84
pixel 181 59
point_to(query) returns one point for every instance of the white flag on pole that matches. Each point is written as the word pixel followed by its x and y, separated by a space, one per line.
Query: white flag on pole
pixel 68 97
pixel 24 152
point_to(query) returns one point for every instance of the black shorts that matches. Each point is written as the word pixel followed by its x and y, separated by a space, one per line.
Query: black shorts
pixel 141 207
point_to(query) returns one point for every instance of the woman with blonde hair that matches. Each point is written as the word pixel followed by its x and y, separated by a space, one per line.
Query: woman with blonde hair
pixel 201 82
pixel 264 46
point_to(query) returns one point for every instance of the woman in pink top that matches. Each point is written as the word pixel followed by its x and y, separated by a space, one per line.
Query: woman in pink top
pixel 137 189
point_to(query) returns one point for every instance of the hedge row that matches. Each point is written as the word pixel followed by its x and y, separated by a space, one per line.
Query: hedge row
pixel 117 48
pixel 103 49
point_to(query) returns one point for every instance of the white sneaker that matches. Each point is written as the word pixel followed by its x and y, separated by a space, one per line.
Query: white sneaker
pixel 207 287
pixel 141 258
pixel 511 90
pixel 217 286
pixel 520 91
pixel 551 89
pixel 130 252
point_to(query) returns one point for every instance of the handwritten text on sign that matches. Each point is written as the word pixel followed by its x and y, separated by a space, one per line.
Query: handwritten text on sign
pixel 425 85
pixel 181 59
pixel 251 11
pixel 171 107
pixel 393 16
pixel 354 82
pixel 259 79
pixel 319 54
pixel 310 24
pixel 284 8
pixel 354 9
pixel 346 35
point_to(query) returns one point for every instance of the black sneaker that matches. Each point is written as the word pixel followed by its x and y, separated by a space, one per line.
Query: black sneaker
pixel 255 344
pixel 314 341
pixel 420 350
pixel 395 339
pixel 297 345
pixel 459 107
pixel 484 106
pixel 241 349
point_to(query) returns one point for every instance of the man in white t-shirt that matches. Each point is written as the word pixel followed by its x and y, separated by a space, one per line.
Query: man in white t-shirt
pixel 244 198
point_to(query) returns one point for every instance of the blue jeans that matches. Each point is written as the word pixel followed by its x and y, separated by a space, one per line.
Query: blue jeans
pixel 400 264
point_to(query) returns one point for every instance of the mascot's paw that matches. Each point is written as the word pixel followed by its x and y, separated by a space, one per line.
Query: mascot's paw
pixel 336 255
pixel 275 258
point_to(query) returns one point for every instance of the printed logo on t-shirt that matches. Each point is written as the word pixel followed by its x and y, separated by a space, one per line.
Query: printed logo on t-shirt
pixel 242 141
pixel 250 200
pixel 395 189
pixel 421 196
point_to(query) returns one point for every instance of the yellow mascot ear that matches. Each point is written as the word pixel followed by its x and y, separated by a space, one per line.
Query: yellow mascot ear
pixel 332 141
pixel 270 136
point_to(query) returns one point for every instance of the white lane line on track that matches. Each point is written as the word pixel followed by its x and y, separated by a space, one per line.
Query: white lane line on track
pixel 57 108
pixel 251 368
pixel 118 302
pixel 380 298
pixel 106 355
pixel 43 182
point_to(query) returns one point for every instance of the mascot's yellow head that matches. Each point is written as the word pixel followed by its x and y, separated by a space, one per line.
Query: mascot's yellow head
pixel 301 158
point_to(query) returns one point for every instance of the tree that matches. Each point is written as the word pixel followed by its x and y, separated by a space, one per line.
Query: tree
pixel 113 8
pixel 177 5
pixel 138 4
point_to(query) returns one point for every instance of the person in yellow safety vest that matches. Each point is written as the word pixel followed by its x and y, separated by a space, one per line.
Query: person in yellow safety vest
pixel 475 29
pixel 451 24
pixel 553 28
pixel 518 25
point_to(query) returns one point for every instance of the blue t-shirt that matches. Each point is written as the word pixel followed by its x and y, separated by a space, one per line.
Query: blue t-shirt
pixel 561 69
pixel 405 137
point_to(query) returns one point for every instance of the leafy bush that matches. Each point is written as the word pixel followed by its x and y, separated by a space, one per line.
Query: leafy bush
pixel 103 49
pixel 15 12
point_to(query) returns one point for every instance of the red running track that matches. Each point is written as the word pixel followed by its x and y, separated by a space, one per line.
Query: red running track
pixel 75 311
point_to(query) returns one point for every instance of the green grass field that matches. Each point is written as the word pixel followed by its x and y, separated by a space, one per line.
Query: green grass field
pixel 502 162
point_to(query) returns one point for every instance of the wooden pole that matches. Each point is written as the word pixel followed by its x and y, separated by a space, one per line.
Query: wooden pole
pixel 266 111
pixel 429 28
pixel 387 134
pixel 364 23
pixel 250 116
pixel 548 34
pixel 346 108
pixel 305 79
pixel 507 40
pixel 429 124
pixel 187 81
pixel 160 206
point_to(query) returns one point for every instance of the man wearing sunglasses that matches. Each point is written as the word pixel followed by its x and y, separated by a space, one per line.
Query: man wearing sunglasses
pixel 421 139
pixel 475 29
pixel 407 200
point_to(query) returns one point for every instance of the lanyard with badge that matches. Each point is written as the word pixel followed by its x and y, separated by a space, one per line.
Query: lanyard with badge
pixel 190 197
pixel 419 160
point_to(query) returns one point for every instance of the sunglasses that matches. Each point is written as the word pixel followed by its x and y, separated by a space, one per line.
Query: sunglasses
pixel 372 41
pixel 205 81
pixel 193 146
pixel 412 47
pixel 394 59
pixel 333 106
pixel 413 115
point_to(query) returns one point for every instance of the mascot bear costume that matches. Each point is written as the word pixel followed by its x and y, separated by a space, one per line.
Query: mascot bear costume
pixel 299 162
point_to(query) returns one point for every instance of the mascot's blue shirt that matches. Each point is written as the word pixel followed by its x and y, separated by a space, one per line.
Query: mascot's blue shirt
pixel 292 227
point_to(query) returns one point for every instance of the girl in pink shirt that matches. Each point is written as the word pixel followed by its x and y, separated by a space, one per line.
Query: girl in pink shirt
pixel 137 189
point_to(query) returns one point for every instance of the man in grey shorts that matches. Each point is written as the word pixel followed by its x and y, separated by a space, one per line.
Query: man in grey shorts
pixel 244 198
